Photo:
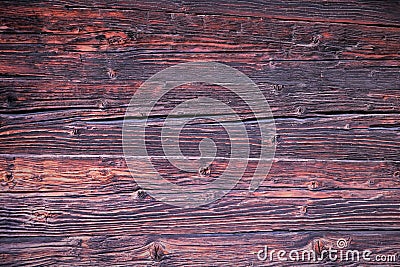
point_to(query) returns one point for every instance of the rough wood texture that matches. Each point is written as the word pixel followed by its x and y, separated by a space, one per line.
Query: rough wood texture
pixel 344 137
pixel 102 175
pixel 184 250
pixel 330 71
pixel 77 83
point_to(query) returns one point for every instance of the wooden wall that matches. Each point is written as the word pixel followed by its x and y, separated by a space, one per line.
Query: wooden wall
pixel 330 71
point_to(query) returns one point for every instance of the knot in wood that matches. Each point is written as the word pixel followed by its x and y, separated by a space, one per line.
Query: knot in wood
pixel 318 246
pixel 157 251
pixel 205 171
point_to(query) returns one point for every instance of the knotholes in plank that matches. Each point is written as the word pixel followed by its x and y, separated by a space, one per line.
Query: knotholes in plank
pixel 316 40
pixel 318 246
pixel 9 177
pixel 303 209
pixel 76 132
pixel 103 104
pixel 277 139
pixel 205 171
pixel 370 107
pixel 157 251
pixel 8 180
pixel 277 88
pixel 314 185
pixel 11 99
pixel 300 110
pixel 396 175
pixel 140 194
pixel 112 74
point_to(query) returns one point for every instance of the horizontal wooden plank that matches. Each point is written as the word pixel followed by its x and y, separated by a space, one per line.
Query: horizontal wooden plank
pixel 348 137
pixel 52 29
pixel 84 81
pixel 276 40
pixel 338 11
pixel 132 212
pixel 194 250
pixel 109 175
pixel 296 41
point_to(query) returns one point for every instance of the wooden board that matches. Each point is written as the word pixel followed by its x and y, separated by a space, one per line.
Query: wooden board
pixel 330 71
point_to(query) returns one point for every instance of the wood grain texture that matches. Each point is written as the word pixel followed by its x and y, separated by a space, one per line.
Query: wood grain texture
pixel 124 31
pixel 109 175
pixel 81 83
pixel 129 213
pixel 184 250
pixel 350 137
pixel 356 12
pixel 330 71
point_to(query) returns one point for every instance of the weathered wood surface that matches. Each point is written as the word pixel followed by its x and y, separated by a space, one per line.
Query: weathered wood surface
pixel 184 250
pixel 138 31
pixel 78 83
pixel 50 175
pixel 330 71
pixel 350 12
pixel 344 137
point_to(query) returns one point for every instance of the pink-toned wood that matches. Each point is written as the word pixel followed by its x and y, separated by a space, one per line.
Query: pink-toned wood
pixel 329 70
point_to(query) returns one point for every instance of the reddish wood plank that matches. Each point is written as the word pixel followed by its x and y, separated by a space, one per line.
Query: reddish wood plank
pixel 131 213
pixel 338 11
pixel 64 81
pixel 86 30
pixel 354 137
pixel 193 250
pixel 101 175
